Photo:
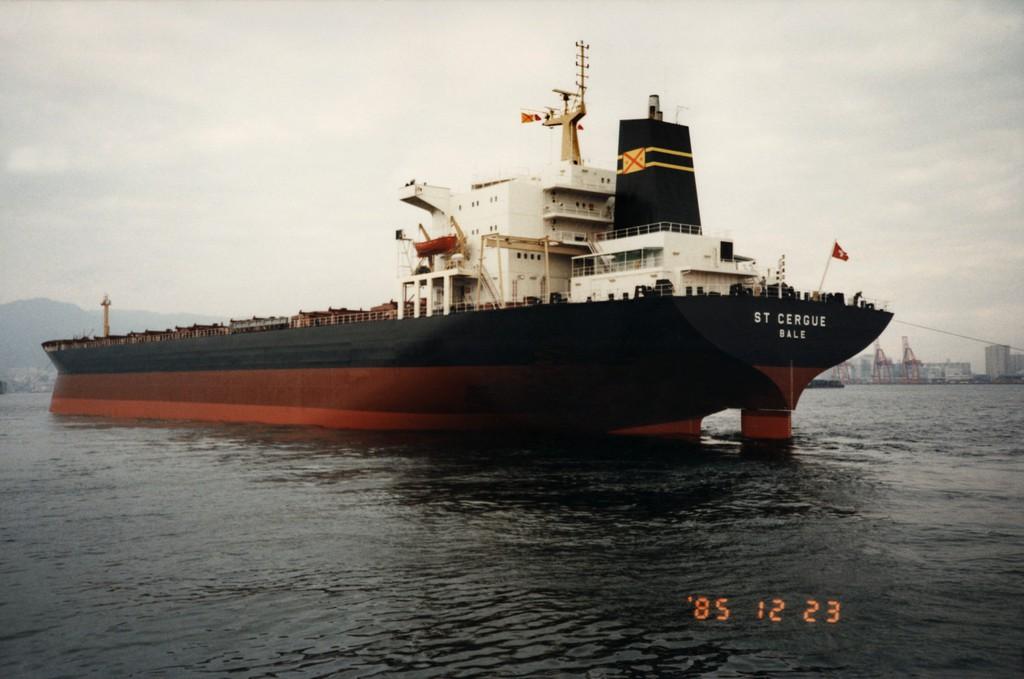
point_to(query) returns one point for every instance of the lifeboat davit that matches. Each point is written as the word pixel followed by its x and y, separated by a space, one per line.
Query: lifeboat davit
pixel 436 246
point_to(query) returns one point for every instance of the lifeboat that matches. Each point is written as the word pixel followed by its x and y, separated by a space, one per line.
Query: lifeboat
pixel 436 246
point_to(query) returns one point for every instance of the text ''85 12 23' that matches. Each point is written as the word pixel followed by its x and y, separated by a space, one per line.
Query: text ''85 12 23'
pixel 770 610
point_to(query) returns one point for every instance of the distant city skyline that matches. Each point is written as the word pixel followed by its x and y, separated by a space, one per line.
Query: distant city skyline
pixel 244 159
pixel 1000 361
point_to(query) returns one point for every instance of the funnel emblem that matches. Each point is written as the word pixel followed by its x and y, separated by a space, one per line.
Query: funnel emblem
pixel 634 161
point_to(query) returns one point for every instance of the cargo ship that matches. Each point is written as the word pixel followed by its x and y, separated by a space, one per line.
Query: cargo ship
pixel 575 299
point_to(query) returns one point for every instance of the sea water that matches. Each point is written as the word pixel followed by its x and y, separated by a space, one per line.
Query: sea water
pixel 888 539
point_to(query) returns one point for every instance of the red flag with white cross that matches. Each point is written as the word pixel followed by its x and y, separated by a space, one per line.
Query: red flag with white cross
pixel 839 253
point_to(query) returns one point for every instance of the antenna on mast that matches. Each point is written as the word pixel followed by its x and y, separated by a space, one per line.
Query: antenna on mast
pixel 573 108
pixel 582 59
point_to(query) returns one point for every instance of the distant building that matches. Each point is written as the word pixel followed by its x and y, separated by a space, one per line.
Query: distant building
pixel 997 361
pixel 946 372
pixel 1016 364
pixel 958 372
pixel 864 365
pixel 898 371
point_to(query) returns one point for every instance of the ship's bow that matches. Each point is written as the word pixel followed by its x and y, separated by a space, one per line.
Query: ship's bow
pixel 784 343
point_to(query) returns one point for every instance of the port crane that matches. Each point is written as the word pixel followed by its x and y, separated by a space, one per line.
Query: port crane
pixel 881 373
pixel 911 364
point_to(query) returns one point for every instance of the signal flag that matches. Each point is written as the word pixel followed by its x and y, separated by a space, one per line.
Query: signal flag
pixel 837 253
pixel 528 117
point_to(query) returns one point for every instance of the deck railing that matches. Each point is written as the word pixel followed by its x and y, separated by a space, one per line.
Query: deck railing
pixel 345 318
pixel 243 327
pixel 656 227
pixel 342 318
pixel 601 214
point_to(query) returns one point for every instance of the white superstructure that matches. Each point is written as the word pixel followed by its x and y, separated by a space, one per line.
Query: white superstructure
pixel 551 237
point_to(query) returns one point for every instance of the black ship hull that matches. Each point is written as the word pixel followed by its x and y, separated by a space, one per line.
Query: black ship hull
pixel 648 366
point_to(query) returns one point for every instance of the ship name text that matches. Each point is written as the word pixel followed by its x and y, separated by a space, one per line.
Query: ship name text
pixel 791 326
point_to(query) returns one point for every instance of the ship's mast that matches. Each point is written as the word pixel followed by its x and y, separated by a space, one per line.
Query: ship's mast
pixel 573 108
pixel 106 315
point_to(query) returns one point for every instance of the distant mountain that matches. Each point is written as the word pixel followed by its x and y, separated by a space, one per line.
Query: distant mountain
pixel 27 323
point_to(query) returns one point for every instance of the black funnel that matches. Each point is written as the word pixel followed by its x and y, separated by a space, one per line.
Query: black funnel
pixel 655 180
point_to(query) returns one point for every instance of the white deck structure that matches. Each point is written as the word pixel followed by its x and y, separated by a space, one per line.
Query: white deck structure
pixel 549 237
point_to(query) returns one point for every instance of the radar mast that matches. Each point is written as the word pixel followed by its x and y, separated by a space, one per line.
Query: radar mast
pixel 573 108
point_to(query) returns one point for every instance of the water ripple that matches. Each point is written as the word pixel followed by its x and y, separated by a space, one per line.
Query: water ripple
pixel 175 549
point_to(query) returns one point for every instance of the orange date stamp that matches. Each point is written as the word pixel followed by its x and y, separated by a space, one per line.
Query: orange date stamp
pixel 772 610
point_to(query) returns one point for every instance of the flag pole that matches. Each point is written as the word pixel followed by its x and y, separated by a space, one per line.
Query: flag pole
pixel 827 264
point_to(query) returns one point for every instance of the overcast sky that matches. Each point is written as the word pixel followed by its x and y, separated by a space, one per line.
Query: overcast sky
pixel 244 158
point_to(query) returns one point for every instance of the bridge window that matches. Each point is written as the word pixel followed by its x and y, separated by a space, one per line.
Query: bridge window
pixel 628 260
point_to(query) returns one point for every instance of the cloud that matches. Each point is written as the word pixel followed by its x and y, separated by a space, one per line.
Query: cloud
pixel 244 158
pixel 37 160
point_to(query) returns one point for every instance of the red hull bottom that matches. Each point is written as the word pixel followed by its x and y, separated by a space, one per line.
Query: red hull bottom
pixel 329 417
pixel 679 429
pixel 277 414
pixel 760 425
pixel 425 399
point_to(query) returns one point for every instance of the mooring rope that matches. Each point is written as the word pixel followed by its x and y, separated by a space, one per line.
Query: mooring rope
pixel 955 334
